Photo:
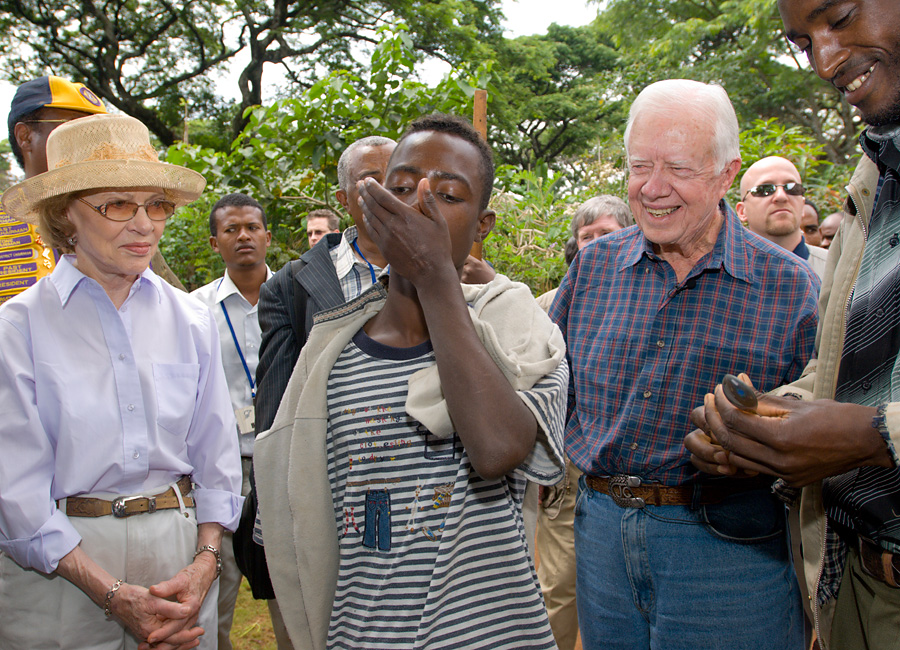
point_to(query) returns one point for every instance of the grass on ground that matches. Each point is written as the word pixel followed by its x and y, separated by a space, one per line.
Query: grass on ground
pixel 252 627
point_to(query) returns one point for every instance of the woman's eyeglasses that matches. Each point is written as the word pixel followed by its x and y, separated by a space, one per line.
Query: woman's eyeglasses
pixel 157 210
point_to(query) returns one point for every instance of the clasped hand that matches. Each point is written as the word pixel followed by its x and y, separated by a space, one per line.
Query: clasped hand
pixel 799 441
pixel 165 615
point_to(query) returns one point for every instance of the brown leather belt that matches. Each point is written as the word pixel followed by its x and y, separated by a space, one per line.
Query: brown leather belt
pixel 127 506
pixel 882 565
pixel 630 492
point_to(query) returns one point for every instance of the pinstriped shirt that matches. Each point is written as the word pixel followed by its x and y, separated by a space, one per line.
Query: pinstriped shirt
pixel 644 348
pixel 866 500
pixel 354 276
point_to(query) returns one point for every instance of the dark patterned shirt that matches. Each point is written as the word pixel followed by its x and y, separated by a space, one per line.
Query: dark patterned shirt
pixel 644 348
pixel 866 500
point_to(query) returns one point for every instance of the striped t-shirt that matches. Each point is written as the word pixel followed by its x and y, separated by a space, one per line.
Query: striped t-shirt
pixel 431 555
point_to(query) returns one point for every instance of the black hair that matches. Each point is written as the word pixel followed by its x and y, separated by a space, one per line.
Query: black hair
pixel 813 206
pixel 13 144
pixel 236 200
pixel 461 128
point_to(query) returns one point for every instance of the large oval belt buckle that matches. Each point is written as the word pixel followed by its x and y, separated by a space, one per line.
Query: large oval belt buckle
pixel 620 490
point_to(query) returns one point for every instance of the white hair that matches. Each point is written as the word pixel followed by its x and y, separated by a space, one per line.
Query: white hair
pixel 685 97
pixel 343 168
pixel 599 206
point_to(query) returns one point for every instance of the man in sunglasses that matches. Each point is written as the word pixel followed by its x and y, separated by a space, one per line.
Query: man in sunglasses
pixel 771 205
pixel 840 436
pixel 37 108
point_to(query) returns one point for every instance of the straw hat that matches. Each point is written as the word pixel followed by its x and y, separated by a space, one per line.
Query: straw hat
pixel 95 152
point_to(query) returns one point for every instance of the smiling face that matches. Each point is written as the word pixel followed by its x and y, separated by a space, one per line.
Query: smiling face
pixel 674 183
pixel 777 215
pixel 854 45
pixel 451 166
pixel 109 251
pixel 241 237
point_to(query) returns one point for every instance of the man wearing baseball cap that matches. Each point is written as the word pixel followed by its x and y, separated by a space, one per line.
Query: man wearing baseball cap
pixel 38 107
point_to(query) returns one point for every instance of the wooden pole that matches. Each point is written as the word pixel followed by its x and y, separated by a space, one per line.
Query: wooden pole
pixel 479 121
pixel 479 117
pixel 185 138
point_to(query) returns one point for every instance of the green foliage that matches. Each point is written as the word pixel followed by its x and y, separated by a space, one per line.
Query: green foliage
pixel 147 56
pixel 185 245
pixel 552 101
pixel 287 156
pixel 558 101
pixel 823 179
pixel 739 44
pixel 533 213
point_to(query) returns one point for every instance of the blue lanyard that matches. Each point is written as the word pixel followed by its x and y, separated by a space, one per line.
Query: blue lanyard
pixel 238 346
pixel 359 252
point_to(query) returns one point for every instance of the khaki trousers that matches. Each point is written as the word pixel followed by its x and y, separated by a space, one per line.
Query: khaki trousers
pixel 556 550
pixel 867 614
pixel 46 611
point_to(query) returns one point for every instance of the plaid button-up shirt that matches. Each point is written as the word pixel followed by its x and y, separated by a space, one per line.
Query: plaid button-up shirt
pixel 644 348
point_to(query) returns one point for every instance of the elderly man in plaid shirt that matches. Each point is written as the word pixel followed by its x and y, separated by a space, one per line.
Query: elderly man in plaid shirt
pixel 654 315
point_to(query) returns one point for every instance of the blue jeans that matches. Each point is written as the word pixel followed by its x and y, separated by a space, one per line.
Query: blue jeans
pixel 672 578
pixel 378 520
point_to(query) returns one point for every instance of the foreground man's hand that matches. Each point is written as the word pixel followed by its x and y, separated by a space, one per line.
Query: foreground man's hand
pixel 799 441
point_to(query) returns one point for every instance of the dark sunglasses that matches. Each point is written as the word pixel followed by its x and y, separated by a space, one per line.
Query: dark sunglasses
pixel 768 189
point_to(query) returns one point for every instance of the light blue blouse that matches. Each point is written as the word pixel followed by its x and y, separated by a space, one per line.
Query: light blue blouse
pixel 107 402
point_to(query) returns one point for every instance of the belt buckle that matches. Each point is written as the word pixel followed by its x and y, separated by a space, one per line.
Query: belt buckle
pixel 620 490
pixel 120 505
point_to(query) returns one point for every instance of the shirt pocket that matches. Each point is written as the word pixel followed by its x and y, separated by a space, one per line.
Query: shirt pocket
pixel 176 395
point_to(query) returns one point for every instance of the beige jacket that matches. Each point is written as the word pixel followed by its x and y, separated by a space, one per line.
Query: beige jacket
pixel 290 459
pixel 819 378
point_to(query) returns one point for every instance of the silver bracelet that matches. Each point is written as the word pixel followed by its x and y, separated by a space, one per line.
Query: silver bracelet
pixel 109 596
pixel 214 551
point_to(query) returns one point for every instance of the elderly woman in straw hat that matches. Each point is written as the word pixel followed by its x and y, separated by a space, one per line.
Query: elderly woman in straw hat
pixel 119 467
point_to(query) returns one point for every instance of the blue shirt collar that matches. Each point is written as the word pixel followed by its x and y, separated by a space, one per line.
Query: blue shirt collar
pixel 801 250
pixel 66 277
pixel 729 253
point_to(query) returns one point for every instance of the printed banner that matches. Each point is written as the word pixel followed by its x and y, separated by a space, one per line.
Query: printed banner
pixel 23 257
pixel 19 255
pixel 7 270
pixel 15 285
pixel 16 242
pixel 13 229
